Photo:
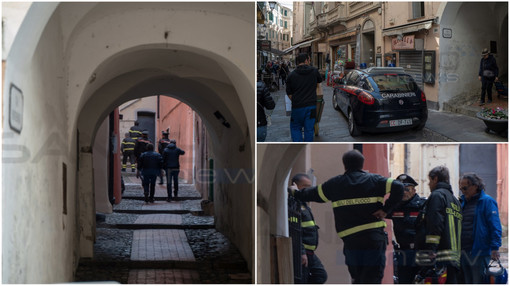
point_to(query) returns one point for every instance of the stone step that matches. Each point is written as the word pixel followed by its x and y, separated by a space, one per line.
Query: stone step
pixel 149 211
pixel 157 198
pixel 233 267
pixel 162 226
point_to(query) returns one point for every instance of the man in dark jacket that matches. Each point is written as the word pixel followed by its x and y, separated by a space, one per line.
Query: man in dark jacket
pixel 163 142
pixel 264 100
pixel 172 166
pixel 150 165
pixel 438 228
pixel 141 144
pixel 313 271
pixel 357 198
pixel 302 85
pixel 481 229
pixel 404 218
pixel 487 74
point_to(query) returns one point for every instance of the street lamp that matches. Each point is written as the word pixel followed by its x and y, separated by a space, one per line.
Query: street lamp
pixel 272 4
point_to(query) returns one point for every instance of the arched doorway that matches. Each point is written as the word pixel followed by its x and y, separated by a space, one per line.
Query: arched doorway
pixel 466 28
pixel 81 60
pixel 368 43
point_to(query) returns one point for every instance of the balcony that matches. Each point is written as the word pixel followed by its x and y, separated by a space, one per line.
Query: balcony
pixel 337 14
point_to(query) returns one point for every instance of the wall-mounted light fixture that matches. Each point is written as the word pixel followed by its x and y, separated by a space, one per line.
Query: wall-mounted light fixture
pixel 220 117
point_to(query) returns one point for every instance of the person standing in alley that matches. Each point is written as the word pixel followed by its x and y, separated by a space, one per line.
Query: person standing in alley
pixel 302 85
pixel 135 131
pixel 438 230
pixel 172 166
pixel 313 271
pixel 359 208
pixel 264 101
pixel 404 219
pixel 141 144
pixel 487 74
pixel 163 142
pixel 127 148
pixel 481 229
pixel 150 165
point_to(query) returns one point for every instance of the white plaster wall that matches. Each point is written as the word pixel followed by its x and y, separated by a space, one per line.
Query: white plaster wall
pixel 38 239
pixel 100 161
pixel 460 55
pixel 12 16
pixel 112 53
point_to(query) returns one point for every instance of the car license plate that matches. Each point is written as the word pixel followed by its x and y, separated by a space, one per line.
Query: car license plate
pixel 401 122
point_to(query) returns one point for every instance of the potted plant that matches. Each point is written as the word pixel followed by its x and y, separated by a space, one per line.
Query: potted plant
pixel 496 119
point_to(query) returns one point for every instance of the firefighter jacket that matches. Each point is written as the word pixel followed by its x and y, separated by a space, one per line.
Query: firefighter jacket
pixel 128 144
pixel 163 142
pixel 487 226
pixel 141 146
pixel 439 228
pixel 404 219
pixel 355 196
pixel 135 132
pixel 309 230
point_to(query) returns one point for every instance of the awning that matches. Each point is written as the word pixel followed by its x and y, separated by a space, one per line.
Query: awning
pixel 303 44
pixel 407 29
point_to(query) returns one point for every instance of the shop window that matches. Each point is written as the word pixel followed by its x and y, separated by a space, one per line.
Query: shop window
pixel 418 9
pixel 429 67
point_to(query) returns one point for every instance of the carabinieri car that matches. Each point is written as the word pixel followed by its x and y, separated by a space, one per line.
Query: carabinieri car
pixel 380 99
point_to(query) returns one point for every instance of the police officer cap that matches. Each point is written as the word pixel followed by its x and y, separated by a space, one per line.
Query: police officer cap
pixel 145 132
pixel 164 132
pixel 407 180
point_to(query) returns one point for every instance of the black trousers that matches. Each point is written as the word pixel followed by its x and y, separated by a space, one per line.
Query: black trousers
pixel 365 255
pixel 149 186
pixel 131 155
pixel 406 268
pixel 314 273
pixel 487 83
pixel 172 175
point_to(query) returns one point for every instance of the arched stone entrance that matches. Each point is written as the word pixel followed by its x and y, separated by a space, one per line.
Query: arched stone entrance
pixel 465 29
pixel 74 63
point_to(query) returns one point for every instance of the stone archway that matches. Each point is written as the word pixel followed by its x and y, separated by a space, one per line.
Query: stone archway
pixel 80 60
pixel 469 27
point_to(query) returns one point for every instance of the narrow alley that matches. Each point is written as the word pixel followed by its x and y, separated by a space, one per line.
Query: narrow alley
pixel 162 242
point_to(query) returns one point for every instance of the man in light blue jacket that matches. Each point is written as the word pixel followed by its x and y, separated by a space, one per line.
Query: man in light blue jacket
pixel 481 229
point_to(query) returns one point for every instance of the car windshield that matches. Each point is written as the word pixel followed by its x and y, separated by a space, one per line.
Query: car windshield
pixel 395 83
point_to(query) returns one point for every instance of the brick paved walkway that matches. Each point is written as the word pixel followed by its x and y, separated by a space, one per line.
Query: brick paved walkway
pixel 159 219
pixel 165 276
pixel 161 244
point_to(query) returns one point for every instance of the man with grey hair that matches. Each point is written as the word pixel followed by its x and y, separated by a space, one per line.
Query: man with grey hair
pixel 481 229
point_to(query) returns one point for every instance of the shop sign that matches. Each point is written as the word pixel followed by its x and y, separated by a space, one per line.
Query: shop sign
pixel 264 45
pixel 407 43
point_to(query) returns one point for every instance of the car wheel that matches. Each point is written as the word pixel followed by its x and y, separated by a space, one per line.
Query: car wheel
pixel 335 104
pixel 353 128
pixel 420 126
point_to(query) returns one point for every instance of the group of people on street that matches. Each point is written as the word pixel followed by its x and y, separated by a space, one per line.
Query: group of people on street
pixel 151 164
pixel 440 239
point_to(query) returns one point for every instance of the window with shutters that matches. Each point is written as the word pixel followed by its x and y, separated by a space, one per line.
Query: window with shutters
pixel 418 10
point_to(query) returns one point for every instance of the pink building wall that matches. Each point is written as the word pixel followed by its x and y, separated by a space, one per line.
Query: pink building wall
pixel 502 155
pixel 178 116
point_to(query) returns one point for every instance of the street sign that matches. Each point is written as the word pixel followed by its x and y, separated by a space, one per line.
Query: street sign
pixel 264 45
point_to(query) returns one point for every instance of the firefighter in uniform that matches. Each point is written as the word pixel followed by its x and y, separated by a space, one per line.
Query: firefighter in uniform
pixel 438 231
pixel 313 271
pixel 135 131
pixel 141 144
pixel 357 198
pixel 163 142
pixel 128 151
pixel 404 218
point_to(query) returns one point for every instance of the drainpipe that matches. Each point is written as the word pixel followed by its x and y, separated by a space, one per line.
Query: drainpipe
pixel 211 180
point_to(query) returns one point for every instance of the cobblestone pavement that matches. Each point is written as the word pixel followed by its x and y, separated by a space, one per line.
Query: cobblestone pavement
pixel 159 256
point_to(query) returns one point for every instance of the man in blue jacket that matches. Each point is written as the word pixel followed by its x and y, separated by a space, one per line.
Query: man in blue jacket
pixel 481 229
pixel 150 165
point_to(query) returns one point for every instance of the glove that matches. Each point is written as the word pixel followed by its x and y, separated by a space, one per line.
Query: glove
pixel 292 189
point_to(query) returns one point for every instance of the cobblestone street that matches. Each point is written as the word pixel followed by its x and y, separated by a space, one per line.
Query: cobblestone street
pixel 161 243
